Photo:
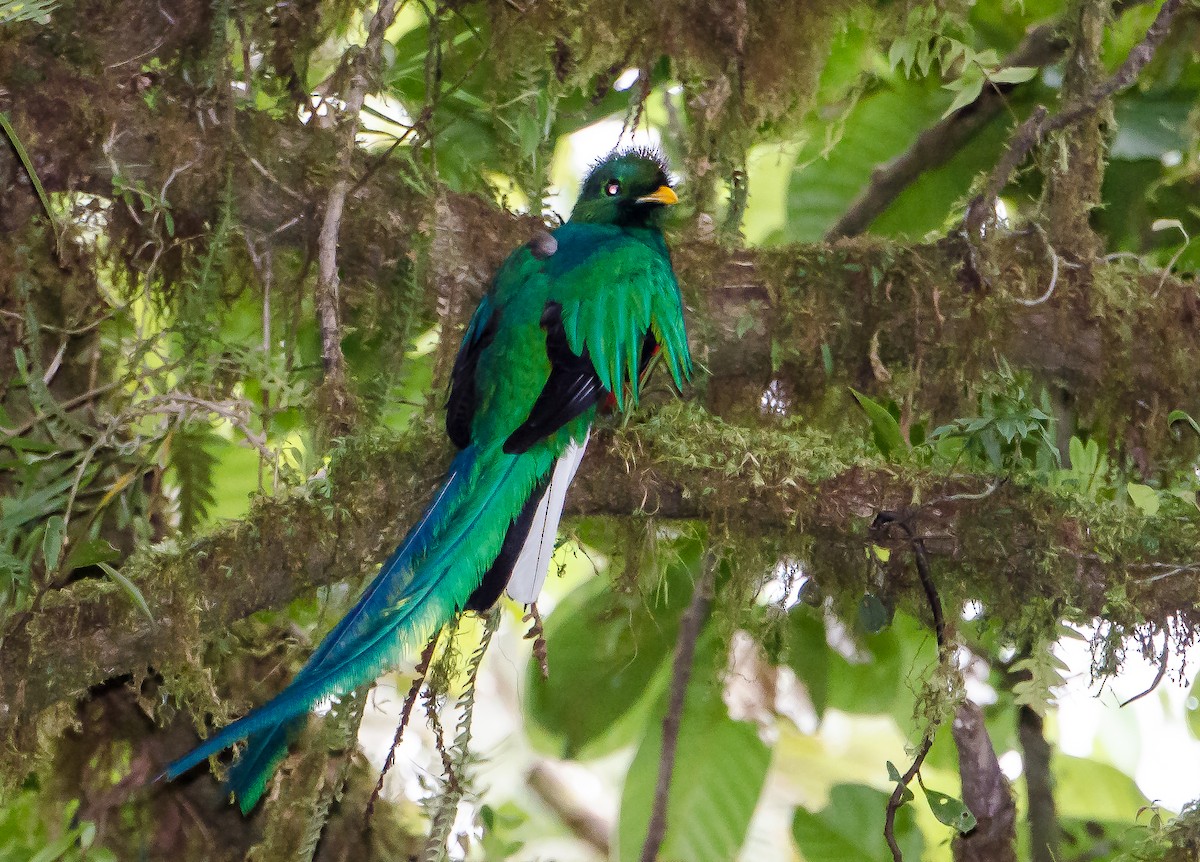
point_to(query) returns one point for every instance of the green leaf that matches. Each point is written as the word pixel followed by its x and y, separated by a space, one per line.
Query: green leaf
pixel 56 850
pixel 1012 75
pixel 1095 790
pixel 606 653
pixel 884 428
pixel 850 828
pixel 906 795
pixel 1045 671
pixel 1148 127
pixel 52 541
pixel 129 587
pixel 873 680
pixel 1180 416
pixel 808 653
pixel 717 779
pixel 966 90
pixel 192 458
pixel 879 127
pixel 40 504
pixel 93 552
pixel 1144 497
pixel 950 811
pixel 873 615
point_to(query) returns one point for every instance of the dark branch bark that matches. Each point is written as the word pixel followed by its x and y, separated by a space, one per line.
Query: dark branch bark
pixel 1039 784
pixel 985 792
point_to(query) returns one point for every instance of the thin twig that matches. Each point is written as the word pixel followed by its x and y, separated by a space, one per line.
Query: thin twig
pixel 430 699
pixel 1053 280
pixel 982 495
pixel 405 712
pixel 897 797
pixel 178 403
pixel 1170 570
pixel 883 520
pixel 1163 661
pixel 69 404
pixel 681 673
pixel 573 806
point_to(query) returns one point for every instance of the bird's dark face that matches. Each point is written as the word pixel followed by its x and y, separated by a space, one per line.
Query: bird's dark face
pixel 628 188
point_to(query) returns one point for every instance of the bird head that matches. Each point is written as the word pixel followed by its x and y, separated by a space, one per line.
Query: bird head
pixel 629 188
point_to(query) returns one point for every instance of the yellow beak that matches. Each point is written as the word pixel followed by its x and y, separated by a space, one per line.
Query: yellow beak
pixel 662 195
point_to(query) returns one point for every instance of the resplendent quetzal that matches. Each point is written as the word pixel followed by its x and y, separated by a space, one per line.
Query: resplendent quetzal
pixel 567 326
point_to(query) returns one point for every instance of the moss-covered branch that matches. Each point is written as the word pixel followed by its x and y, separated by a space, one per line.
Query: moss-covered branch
pixel 790 487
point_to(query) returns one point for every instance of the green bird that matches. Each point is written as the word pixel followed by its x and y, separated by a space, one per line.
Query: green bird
pixel 566 328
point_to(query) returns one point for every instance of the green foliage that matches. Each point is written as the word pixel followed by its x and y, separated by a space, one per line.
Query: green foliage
pixel 949 810
pixel 850 828
pixel 877 676
pixel 885 429
pixel 1144 497
pixel 932 35
pixel 1184 418
pixel 611 642
pixel 877 128
pixel 191 456
pixel 1041 673
pixel 27 834
pixel 1013 431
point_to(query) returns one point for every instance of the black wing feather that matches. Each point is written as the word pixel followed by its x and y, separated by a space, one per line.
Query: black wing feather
pixel 460 406
pixel 572 387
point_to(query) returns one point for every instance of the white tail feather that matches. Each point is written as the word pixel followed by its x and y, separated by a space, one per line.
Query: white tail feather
pixel 529 572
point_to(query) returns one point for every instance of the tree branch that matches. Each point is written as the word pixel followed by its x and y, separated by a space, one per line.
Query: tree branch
pixel 985 792
pixel 1041 123
pixel 338 403
pixel 576 812
pixel 939 143
pixel 784 485
pixel 1039 783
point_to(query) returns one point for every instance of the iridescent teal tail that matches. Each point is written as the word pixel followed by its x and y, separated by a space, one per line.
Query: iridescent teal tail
pixel 422 585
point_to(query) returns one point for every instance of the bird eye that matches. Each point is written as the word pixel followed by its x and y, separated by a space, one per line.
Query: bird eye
pixel 612 188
